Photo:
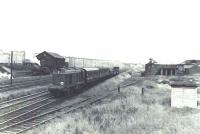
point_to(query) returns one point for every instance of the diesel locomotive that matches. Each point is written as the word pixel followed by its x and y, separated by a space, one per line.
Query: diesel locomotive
pixel 68 82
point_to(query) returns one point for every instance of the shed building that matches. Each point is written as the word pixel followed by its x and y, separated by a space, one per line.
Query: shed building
pixel 152 68
pixel 184 97
pixel 52 61
pixel 160 69
pixel 184 94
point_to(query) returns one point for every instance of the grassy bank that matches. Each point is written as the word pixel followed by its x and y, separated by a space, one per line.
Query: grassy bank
pixel 129 112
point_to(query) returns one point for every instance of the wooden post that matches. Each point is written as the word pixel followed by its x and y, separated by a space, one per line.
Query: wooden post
pixel 118 88
pixel 142 93
pixel 11 67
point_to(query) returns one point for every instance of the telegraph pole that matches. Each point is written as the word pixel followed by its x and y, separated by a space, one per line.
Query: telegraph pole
pixel 83 62
pixel 11 67
pixel 74 62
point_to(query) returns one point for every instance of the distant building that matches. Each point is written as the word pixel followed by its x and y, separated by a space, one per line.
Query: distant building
pixel 18 57
pixel 4 57
pixel 152 68
pixel 51 60
pixel 185 68
pixel 161 69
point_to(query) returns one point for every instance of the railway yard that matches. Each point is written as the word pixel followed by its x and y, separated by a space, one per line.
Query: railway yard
pixel 94 100
pixel 141 105
pixel 22 113
pixel 127 111
pixel 99 67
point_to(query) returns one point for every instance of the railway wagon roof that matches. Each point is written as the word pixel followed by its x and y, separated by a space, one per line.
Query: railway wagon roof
pixel 68 72
pixel 91 69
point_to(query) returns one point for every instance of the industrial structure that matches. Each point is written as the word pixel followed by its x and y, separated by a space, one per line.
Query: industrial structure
pixel 50 60
pixel 185 68
pixel 54 61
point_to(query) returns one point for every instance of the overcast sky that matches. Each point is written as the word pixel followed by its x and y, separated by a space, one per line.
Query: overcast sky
pixel 129 31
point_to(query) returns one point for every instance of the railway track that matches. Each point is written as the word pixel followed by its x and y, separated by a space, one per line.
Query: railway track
pixel 41 110
pixel 21 121
pixel 131 81
pixel 23 79
pixel 25 112
pixel 24 84
pixel 7 106
pixel 18 123
pixel 20 126
pixel 21 98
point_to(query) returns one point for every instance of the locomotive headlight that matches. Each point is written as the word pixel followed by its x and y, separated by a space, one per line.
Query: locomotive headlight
pixel 62 83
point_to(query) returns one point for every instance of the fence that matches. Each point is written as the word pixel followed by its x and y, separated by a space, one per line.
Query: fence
pixel 85 62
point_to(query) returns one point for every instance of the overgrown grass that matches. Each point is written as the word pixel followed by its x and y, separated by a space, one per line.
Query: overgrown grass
pixel 109 84
pixel 129 113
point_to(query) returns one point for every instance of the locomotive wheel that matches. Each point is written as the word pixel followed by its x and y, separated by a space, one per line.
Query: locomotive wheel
pixel 57 94
pixel 74 91
pixel 67 93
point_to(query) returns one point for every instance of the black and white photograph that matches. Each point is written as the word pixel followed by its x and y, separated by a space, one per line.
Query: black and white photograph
pixel 99 67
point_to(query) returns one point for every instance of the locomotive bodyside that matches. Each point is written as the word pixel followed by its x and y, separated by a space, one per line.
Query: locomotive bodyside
pixel 68 82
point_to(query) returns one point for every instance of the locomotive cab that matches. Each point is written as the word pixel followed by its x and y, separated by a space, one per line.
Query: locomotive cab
pixel 66 82
pixel 116 70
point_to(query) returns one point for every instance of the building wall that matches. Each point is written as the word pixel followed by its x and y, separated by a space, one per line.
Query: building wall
pixel 184 97
pixel 160 69
pixel 165 69
pixel 52 63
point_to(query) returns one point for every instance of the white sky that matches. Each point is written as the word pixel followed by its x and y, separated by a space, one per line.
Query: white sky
pixel 129 31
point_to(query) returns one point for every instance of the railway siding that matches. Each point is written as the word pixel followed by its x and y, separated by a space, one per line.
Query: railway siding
pixel 38 111
pixel 24 85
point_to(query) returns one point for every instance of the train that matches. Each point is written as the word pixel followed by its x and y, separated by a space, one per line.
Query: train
pixel 69 82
